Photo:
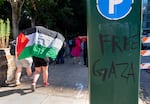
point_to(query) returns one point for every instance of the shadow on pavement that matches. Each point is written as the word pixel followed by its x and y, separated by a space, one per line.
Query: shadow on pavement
pixel 14 91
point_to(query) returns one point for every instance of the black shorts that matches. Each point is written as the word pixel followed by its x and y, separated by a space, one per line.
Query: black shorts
pixel 38 62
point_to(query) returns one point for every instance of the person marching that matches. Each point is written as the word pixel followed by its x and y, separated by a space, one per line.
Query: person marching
pixel 76 50
pixel 40 65
pixel 20 64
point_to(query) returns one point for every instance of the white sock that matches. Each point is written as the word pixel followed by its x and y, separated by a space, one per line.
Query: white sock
pixel 18 77
pixel 17 81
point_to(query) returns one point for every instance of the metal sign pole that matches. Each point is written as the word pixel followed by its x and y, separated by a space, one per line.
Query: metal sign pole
pixel 114 28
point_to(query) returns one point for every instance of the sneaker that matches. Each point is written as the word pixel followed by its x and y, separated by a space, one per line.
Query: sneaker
pixel 33 87
pixel 45 84
pixel 18 83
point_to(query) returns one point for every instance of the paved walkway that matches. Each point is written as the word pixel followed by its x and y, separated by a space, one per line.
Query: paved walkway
pixel 23 95
pixel 68 85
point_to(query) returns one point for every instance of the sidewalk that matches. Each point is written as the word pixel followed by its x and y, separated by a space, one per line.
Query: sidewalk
pixel 23 95
pixel 68 85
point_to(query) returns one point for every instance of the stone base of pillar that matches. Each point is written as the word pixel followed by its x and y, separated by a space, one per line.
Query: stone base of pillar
pixel 7 67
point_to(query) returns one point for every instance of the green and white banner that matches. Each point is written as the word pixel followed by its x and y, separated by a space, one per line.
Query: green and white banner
pixel 39 42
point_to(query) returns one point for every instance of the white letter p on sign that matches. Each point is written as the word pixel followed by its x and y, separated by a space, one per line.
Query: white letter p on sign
pixel 112 4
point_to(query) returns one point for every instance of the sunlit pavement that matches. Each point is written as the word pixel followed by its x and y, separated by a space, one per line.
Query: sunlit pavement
pixel 68 85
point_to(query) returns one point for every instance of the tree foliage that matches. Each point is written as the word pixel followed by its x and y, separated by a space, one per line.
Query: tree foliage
pixel 5 10
pixel 1 2
pixel 49 12
pixel 66 16
pixel 79 18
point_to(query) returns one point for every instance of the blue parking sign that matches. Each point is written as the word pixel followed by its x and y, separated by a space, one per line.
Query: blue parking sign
pixel 114 9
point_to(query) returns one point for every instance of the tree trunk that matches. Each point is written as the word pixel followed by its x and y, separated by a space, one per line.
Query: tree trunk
pixel 16 6
pixel 33 22
pixel 15 27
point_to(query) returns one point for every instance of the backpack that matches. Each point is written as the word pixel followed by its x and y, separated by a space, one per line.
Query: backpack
pixel 12 47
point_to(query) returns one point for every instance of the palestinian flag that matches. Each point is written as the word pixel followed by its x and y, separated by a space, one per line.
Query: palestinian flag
pixel 39 42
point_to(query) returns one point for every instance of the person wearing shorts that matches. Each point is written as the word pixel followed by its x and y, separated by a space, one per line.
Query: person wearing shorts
pixel 40 64
pixel 20 64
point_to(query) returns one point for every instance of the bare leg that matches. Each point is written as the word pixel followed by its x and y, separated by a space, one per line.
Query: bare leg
pixel 29 71
pixel 78 59
pixel 74 60
pixel 36 74
pixel 36 77
pixel 18 74
pixel 45 75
